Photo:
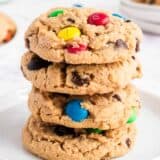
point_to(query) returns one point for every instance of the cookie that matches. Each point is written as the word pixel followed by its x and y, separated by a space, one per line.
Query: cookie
pixel 106 111
pixel 83 36
pixel 7 28
pixel 53 142
pixel 149 1
pixel 78 79
pixel 157 2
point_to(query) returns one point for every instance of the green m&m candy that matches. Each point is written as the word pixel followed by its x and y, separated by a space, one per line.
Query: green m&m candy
pixel 56 13
pixel 94 130
pixel 133 116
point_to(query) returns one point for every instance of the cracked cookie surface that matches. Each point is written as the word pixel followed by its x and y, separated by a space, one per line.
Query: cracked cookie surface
pixel 78 79
pixel 106 111
pixel 116 41
pixel 59 143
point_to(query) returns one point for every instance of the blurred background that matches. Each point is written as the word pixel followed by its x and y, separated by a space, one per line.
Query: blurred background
pixel 14 88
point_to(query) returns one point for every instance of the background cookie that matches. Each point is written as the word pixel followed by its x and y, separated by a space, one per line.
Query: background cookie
pixel 157 2
pixel 75 36
pixel 61 143
pixel 105 112
pixel 149 1
pixel 79 79
pixel 7 28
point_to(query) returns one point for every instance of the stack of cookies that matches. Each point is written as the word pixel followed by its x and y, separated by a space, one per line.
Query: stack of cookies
pixel 80 62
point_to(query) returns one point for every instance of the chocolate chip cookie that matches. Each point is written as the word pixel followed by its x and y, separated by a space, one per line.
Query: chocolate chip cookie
pixel 79 79
pixel 149 1
pixel 7 28
pixel 106 111
pixel 53 142
pixel 83 36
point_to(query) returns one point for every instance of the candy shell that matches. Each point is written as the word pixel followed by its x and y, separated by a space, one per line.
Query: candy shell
pixel 75 111
pixel 94 130
pixel 133 116
pixel 98 18
pixel 78 5
pixel 69 33
pixel 118 15
pixel 76 49
pixel 56 13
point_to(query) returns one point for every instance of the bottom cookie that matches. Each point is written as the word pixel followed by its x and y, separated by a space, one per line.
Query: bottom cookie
pixel 61 143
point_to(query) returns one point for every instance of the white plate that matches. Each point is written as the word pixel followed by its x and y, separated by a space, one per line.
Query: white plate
pixel 147 146
pixel 147 16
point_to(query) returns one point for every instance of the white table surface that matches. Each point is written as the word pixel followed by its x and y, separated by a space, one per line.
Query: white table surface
pixel 14 88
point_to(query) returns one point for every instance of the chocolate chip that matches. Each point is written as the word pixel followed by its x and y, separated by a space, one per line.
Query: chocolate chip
pixel 63 68
pixel 92 102
pixel 54 95
pixel 117 97
pixel 137 45
pixel 120 44
pixel 62 131
pixel 128 142
pixel 71 20
pixel 76 79
pixel 27 43
pixel 37 63
pixel 97 34
pixel 128 21
pixel 92 76
pixel 133 57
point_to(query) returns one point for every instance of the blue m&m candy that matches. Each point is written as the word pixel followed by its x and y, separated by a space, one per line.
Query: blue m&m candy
pixel 75 111
pixel 78 5
pixel 118 15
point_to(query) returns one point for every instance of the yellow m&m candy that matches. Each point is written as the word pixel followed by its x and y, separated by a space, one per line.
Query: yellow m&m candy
pixel 69 33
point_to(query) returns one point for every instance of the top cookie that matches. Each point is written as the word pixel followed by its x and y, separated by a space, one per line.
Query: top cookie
pixel 83 36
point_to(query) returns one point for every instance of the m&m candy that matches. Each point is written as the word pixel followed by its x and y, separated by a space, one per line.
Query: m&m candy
pixel 98 18
pixel 56 13
pixel 78 5
pixel 94 130
pixel 69 33
pixel 118 15
pixel 76 49
pixel 133 116
pixel 75 111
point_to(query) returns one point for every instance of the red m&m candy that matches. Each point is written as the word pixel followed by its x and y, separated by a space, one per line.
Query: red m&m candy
pixel 76 49
pixel 98 18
